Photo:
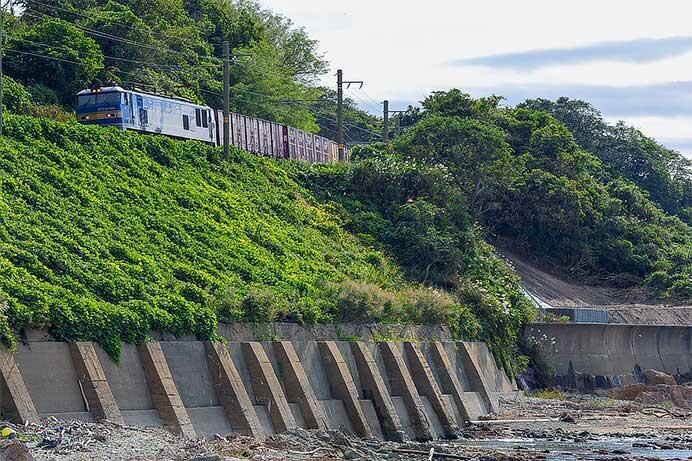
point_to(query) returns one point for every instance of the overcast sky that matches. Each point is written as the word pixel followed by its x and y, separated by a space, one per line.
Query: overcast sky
pixel 632 59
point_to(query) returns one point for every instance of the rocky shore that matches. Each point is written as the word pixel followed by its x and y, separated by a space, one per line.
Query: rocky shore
pixel 549 425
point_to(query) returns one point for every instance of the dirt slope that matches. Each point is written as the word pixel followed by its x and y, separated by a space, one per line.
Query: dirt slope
pixel 624 305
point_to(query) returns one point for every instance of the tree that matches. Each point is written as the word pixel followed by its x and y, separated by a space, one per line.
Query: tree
pixel 475 152
pixel 626 152
pixel 76 58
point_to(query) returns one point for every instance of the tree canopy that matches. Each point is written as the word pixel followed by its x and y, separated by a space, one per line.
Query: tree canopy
pixel 175 47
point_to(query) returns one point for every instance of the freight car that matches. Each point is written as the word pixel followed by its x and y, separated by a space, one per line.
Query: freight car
pixel 179 118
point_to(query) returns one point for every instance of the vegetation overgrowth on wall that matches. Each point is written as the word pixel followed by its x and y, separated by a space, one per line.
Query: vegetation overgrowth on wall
pixel 108 235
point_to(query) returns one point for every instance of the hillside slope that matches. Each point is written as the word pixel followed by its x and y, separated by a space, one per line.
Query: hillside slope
pixel 107 235
pixel 624 305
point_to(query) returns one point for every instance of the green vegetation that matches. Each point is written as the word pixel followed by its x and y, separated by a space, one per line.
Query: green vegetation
pixel 107 235
pixel 548 395
pixel 58 47
pixel 469 172
pixel 625 151
pixel 521 175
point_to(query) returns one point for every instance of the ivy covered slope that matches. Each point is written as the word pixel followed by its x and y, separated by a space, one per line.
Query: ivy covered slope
pixel 108 235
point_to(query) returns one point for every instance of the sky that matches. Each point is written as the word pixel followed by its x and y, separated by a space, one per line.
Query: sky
pixel 631 59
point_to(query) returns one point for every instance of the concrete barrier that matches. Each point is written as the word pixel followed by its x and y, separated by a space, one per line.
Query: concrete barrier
pixel 393 390
pixel 587 356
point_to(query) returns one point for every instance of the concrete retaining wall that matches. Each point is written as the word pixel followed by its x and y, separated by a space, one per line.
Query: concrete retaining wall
pixel 587 356
pixel 388 390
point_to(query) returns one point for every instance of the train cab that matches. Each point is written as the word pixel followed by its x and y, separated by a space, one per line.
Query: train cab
pixel 145 112
pixel 102 106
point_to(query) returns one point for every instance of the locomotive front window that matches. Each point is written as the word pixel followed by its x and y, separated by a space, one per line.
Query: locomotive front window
pixel 99 98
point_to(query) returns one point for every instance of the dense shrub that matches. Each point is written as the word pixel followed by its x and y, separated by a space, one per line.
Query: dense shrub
pixel 106 235
pixel 15 97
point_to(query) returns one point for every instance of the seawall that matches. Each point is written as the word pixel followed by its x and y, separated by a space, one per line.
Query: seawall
pixel 588 356
pixel 392 390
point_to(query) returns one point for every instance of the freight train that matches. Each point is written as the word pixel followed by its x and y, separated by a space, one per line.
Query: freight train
pixel 179 118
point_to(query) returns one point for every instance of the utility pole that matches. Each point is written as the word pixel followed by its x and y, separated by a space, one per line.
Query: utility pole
pixel 397 121
pixel 226 98
pixel 385 127
pixel 340 111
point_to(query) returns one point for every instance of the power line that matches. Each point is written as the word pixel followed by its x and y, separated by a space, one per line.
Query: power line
pixel 134 61
pixel 112 37
pixel 105 35
pixel 377 104
pixel 55 7
pixel 359 99
pixel 10 50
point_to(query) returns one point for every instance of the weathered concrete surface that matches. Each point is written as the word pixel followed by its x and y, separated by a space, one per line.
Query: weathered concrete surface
pixel 93 383
pixel 374 388
pixel 15 399
pixel 243 332
pixel 402 385
pixel 385 390
pixel 164 393
pixel 587 356
pixel 343 387
pixel 266 387
pixel 231 392
pixel 427 386
pixel 51 380
pixel 449 381
pixel 297 387
pixel 129 386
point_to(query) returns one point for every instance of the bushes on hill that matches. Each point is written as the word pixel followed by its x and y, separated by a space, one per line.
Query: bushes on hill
pixel 107 235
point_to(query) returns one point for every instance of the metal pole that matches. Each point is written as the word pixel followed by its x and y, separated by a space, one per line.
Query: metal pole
pixel 226 98
pixel 385 128
pixel 340 113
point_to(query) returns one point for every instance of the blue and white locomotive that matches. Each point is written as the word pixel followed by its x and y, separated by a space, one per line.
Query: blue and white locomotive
pixel 148 113
pixel 156 114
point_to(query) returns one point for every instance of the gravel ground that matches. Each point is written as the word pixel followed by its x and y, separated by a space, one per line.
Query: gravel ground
pixel 563 427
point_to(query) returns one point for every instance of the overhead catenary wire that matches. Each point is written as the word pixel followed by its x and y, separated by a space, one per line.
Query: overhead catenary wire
pixel 317 116
pixel 115 58
pixel 166 49
pixel 159 66
pixel 377 104
pixel 41 15
pixel 361 100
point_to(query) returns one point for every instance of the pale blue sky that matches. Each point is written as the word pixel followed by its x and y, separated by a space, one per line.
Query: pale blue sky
pixel 632 59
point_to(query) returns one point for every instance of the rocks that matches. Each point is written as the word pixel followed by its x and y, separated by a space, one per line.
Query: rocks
pixel 15 451
pixel 657 395
pixel 352 454
pixel 567 418
pixel 630 392
pixel 653 377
